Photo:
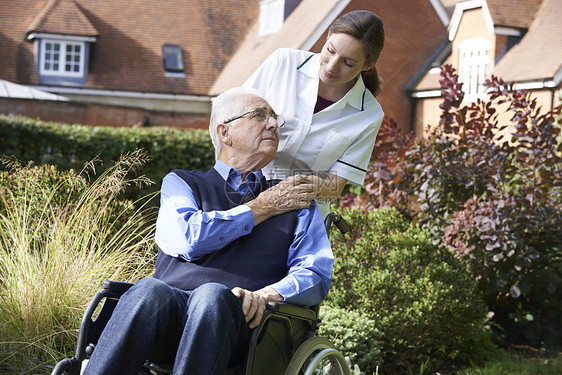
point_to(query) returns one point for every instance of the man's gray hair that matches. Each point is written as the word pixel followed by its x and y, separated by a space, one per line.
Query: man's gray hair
pixel 227 105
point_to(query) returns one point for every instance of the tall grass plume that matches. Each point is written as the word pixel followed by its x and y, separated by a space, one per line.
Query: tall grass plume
pixel 60 237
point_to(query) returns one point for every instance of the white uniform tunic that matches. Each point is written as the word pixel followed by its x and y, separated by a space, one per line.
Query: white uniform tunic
pixel 339 139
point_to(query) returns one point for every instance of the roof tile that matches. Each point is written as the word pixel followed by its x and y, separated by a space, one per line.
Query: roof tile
pixel 62 17
pixel 539 54
pixel 297 27
pixel 513 13
pixel 130 34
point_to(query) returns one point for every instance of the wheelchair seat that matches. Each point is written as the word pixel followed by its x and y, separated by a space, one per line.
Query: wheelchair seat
pixel 285 342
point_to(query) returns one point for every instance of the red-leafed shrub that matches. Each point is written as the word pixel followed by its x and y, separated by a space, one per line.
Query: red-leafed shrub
pixel 489 190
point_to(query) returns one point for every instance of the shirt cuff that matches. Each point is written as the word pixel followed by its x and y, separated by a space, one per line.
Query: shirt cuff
pixel 286 287
pixel 243 214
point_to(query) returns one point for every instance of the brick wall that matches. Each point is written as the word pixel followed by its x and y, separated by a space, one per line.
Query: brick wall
pixel 99 114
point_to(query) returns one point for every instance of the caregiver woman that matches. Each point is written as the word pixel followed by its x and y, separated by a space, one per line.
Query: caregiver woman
pixel 328 102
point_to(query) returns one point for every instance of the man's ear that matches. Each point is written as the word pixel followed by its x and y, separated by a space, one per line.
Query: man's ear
pixel 223 132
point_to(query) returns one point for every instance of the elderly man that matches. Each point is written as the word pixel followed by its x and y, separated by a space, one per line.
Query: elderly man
pixel 227 244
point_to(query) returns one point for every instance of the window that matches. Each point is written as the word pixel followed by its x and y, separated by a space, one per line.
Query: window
pixel 273 14
pixel 62 58
pixel 473 65
pixel 173 59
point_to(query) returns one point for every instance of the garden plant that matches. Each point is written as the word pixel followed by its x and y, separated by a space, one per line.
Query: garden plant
pixel 72 146
pixel 451 230
pixel 487 185
pixel 409 304
pixel 60 237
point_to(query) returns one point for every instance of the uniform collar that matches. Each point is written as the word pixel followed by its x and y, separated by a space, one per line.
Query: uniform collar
pixel 310 66
pixel 234 179
pixel 354 97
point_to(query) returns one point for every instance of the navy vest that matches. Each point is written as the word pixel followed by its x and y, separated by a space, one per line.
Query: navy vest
pixel 250 262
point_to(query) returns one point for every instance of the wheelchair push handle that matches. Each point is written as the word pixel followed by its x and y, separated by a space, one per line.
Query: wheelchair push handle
pixel 336 219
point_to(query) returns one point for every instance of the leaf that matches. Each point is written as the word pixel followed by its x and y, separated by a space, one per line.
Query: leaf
pixel 492 245
pixel 384 175
pixel 515 291
pixel 497 257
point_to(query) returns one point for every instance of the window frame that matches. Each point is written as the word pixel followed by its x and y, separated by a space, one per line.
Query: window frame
pixel 474 64
pixel 61 72
pixel 178 54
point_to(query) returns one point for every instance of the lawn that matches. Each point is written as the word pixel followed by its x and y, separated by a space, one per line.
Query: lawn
pixel 519 362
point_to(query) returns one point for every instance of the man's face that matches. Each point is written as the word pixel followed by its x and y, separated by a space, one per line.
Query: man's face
pixel 256 133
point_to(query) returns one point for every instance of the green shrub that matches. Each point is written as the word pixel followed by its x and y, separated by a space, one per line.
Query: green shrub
pixel 423 300
pixel 72 146
pixel 490 191
pixel 355 335
pixel 59 239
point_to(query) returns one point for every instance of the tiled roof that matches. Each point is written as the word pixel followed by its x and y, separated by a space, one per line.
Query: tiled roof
pixel 128 52
pixel 539 54
pixel 513 13
pixel 300 24
pixel 62 17
pixel 430 80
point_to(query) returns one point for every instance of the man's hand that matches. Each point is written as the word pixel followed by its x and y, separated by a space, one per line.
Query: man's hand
pixel 253 303
pixel 293 193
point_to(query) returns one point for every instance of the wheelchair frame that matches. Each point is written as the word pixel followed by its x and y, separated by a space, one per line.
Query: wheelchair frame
pixel 289 329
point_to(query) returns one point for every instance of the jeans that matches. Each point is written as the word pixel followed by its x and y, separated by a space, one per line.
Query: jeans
pixel 196 330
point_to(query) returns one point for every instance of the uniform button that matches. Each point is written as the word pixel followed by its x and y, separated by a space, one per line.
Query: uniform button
pixel 222 238
pixel 246 227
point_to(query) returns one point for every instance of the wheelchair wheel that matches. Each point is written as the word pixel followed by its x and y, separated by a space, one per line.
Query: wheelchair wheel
pixel 315 356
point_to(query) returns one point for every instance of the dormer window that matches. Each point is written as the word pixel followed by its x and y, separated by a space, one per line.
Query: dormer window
pixel 273 14
pixel 62 36
pixel 62 58
pixel 474 60
pixel 173 60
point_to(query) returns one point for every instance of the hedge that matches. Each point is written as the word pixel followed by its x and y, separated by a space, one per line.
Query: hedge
pixel 71 146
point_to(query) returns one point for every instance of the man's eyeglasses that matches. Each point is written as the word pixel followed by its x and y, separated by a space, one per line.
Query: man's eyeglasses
pixel 262 116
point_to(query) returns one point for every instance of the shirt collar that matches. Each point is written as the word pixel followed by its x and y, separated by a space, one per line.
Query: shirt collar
pixel 234 179
pixel 355 97
pixel 310 66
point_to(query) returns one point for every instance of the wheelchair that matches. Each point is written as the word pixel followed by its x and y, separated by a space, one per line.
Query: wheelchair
pixel 284 343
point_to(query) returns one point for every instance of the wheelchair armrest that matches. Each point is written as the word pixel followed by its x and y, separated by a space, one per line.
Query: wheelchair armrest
pixel 292 310
pixel 118 287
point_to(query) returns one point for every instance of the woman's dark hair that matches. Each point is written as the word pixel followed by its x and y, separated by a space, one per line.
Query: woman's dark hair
pixel 366 27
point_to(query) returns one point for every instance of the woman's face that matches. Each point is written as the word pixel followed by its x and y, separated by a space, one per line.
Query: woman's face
pixel 342 59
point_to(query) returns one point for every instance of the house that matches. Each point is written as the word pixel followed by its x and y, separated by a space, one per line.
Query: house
pixel 160 63
pixel 120 63
pixel 516 40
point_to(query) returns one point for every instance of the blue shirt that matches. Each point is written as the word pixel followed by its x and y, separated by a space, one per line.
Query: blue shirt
pixel 184 231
